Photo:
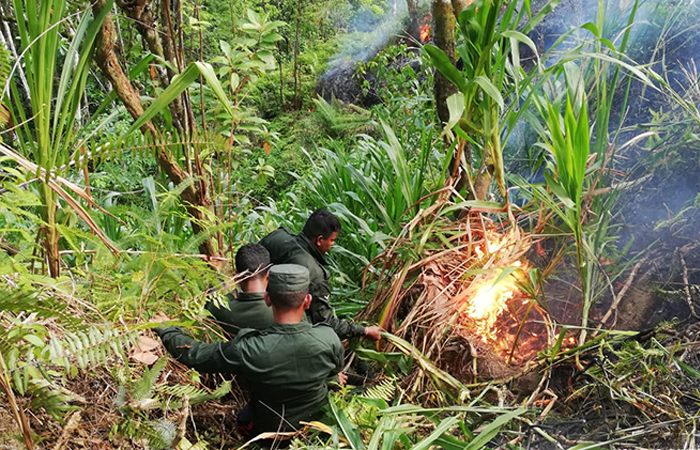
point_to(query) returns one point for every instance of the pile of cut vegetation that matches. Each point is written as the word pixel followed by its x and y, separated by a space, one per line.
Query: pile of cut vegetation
pixel 463 293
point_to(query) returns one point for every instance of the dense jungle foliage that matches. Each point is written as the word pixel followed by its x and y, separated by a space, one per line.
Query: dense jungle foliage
pixel 540 155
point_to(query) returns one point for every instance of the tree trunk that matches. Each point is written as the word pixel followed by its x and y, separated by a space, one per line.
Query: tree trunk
pixel 413 28
pixel 50 232
pixel 482 183
pixel 196 200
pixel 145 19
pixel 444 38
pixel 460 5
pixel 297 87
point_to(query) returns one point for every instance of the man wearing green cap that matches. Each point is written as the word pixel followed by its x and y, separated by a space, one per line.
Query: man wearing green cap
pixel 286 365
pixel 308 249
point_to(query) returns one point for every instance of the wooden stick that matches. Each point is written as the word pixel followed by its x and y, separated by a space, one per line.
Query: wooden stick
pixel 182 425
pixel 686 287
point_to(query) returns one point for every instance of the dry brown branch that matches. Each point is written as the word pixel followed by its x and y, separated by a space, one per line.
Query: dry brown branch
pixel 182 425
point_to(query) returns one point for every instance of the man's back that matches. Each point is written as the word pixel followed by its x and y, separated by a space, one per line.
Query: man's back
pixel 285 246
pixel 246 310
pixel 288 248
pixel 286 366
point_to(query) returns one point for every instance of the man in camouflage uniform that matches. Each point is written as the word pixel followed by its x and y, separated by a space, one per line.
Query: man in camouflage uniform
pixel 286 365
pixel 308 249
pixel 248 308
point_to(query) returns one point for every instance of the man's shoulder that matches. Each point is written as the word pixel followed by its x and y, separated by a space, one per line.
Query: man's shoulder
pixel 286 248
pixel 248 333
pixel 280 236
pixel 325 333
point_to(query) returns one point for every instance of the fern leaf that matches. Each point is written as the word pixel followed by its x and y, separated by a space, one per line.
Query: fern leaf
pixel 386 390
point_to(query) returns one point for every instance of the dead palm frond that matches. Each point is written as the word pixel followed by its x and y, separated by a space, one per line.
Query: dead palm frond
pixel 428 280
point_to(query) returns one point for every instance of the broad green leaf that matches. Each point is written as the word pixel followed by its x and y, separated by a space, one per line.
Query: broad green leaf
pixel 455 105
pixel 349 430
pixel 559 191
pixel 34 340
pixel 443 64
pixel 444 426
pixel 225 47
pixel 272 37
pixel 593 28
pixel 520 37
pixel 505 273
pixel 235 81
pixel 177 85
pixel 489 89
pixel 254 17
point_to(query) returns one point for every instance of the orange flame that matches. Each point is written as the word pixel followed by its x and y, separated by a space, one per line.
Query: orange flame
pixel 497 305
pixel 425 30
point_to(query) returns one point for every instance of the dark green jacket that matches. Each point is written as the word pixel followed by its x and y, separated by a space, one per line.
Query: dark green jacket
pixel 288 248
pixel 287 367
pixel 247 311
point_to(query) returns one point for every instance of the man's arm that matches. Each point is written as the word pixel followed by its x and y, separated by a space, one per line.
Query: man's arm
pixel 218 357
pixel 339 352
pixel 320 311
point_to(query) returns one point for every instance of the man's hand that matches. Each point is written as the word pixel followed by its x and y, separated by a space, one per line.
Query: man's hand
pixel 342 379
pixel 160 317
pixel 374 333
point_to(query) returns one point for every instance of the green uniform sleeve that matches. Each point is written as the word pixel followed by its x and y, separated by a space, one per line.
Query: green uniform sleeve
pixel 320 311
pixel 218 357
pixel 339 356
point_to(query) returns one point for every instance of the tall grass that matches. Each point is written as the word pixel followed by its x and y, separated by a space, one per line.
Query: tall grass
pixel 376 185
pixel 56 82
pixel 490 83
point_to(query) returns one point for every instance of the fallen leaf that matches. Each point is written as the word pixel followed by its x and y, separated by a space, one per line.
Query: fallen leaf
pixel 143 352
pixel 266 147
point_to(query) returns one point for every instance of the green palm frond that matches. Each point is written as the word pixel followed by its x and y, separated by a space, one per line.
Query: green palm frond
pixel 144 386
pixel 52 399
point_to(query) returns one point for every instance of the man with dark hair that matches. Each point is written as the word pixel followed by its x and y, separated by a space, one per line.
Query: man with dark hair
pixel 307 249
pixel 287 365
pixel 248 309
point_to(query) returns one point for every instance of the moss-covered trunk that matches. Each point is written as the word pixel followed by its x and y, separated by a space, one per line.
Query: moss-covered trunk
pixel 196 195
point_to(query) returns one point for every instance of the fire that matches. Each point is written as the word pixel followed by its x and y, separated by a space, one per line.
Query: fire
pixel 425 30
pixel 495 306
pixel 488 303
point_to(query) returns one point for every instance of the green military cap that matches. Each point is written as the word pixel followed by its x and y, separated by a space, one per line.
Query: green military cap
pixel 288 278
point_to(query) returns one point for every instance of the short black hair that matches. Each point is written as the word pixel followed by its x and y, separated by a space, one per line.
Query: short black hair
pixel 253 257
pixel 287 301
pixel 321 223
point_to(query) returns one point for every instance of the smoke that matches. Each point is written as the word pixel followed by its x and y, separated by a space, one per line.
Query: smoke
pixel 659 214
pixel 370 31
